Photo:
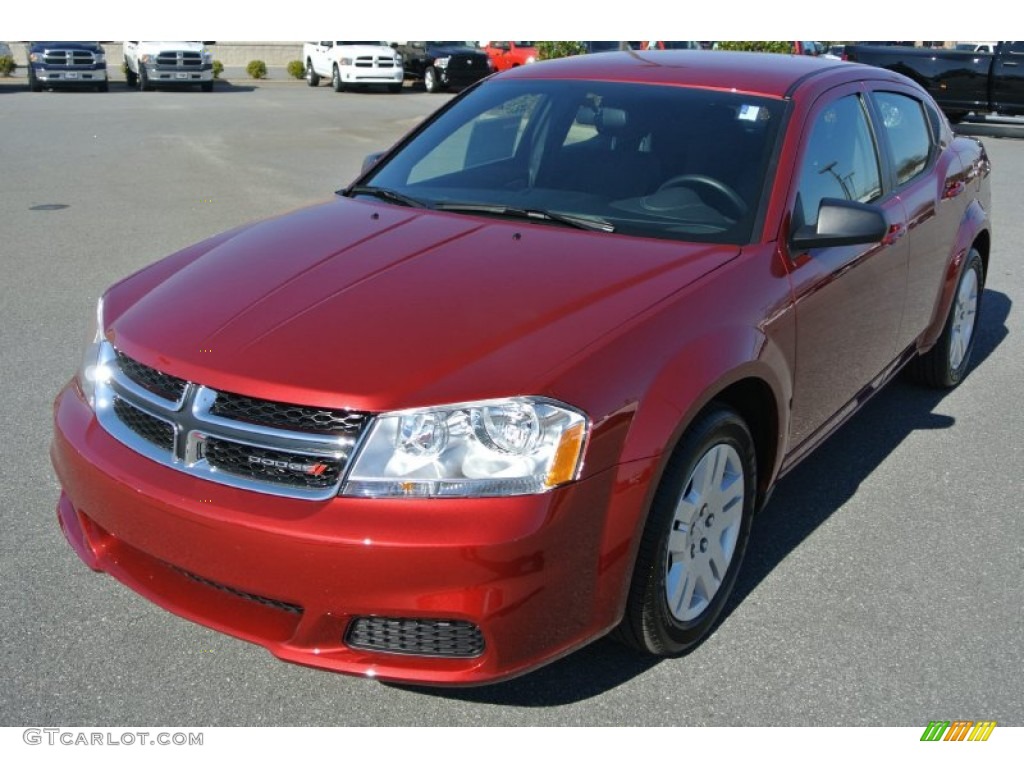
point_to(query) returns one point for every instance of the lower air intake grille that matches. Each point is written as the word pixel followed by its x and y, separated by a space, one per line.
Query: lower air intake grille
pixel 267 601
pixel 416 637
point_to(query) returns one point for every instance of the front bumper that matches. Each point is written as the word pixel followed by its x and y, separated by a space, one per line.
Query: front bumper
pixel 68 76
pixel 538 575
pixel 159 76
pixel 371 76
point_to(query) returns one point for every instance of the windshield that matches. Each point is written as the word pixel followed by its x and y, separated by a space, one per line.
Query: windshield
pixel 657 161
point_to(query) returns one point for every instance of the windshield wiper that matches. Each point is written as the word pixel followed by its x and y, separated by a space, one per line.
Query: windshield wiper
pixel 592 223
pixel 386 194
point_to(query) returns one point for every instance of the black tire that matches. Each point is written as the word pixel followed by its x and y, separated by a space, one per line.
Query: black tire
pixel 944 365
pixel 130 77
pixel 956 117
pixel 103 87
pixel 431 80
pixel 395 88
pixel 207 87
pixel 336 82
pixel 33 84
pixel 708 531
pixel 312 78
pixel 144 79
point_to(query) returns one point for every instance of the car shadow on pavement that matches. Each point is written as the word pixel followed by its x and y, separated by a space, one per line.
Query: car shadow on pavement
pixel 807 497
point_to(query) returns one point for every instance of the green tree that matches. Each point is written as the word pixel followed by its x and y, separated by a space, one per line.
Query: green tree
pixel 764 46
pixel 558 49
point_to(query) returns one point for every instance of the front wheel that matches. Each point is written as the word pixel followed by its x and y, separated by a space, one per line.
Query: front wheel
pixel 207 87
pixel 336 82
pixel 431 82
pixel 944 365
pixel 130 77
pixel 144 79
pixel 395 88
pixel 695 537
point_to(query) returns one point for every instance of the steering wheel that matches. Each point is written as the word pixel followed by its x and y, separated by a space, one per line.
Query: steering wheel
pixel 736 203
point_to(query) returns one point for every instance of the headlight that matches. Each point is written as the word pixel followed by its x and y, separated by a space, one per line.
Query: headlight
pixel 345 62
pixel 92 369
pixel 442 62
pixel 148 58
pixel 506 447
pixel 398 59
pixel 207 57
pixel 35 57
pixel 530 59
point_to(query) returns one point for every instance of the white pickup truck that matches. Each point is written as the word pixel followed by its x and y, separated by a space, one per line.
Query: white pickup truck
pixel 349 64
pixel 178 62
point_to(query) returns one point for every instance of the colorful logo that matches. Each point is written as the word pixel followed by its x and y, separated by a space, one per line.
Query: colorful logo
pixel 958 730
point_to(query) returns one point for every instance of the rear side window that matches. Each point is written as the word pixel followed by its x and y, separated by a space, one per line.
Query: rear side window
pixel 906 128
pixel 840 160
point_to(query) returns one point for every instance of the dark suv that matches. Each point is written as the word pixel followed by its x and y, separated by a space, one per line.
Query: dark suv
pixel 443 63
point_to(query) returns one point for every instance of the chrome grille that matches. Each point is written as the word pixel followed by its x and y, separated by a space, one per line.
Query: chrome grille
pixel 378 62
pixel 272 466
pixel 61 58
pixel 269 413
pixel 258 445
pixel 179 60
pixel 161 384
pixel 157 431
pixel 415 637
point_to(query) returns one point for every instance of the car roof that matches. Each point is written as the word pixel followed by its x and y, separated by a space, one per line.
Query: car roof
pixel 767 74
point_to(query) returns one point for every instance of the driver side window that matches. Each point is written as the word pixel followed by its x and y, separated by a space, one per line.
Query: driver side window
pixel 840 161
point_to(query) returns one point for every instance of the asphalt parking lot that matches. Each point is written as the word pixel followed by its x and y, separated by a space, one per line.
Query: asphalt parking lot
pixel 882 585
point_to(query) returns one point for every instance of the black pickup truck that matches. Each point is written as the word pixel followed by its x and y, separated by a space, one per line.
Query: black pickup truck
pixel 960 81
pixel 443 63
pixel 66 65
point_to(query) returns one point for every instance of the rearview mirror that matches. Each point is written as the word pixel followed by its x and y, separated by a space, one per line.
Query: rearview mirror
pixel 842 222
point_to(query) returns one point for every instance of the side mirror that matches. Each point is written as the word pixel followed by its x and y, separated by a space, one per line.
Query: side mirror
pixel 842 222
pixel 370 160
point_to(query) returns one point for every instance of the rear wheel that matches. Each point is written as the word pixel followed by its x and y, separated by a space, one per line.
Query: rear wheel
pixel 695 537
pixel 944 365
pixel 312 78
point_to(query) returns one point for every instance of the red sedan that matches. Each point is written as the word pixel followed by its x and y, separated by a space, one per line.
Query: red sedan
pixel 530 378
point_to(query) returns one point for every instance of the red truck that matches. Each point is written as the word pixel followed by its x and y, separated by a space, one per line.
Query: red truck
pixel 511 53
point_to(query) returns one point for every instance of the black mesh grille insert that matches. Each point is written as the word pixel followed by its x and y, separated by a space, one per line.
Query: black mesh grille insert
pixel 418 637
pixel 267 601
pixel 294 469
pixel 285 416
pixel 161 384
pixel 156 431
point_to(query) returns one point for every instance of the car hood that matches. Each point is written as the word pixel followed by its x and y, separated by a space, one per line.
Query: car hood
pixel 455 50
pixel 372 306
